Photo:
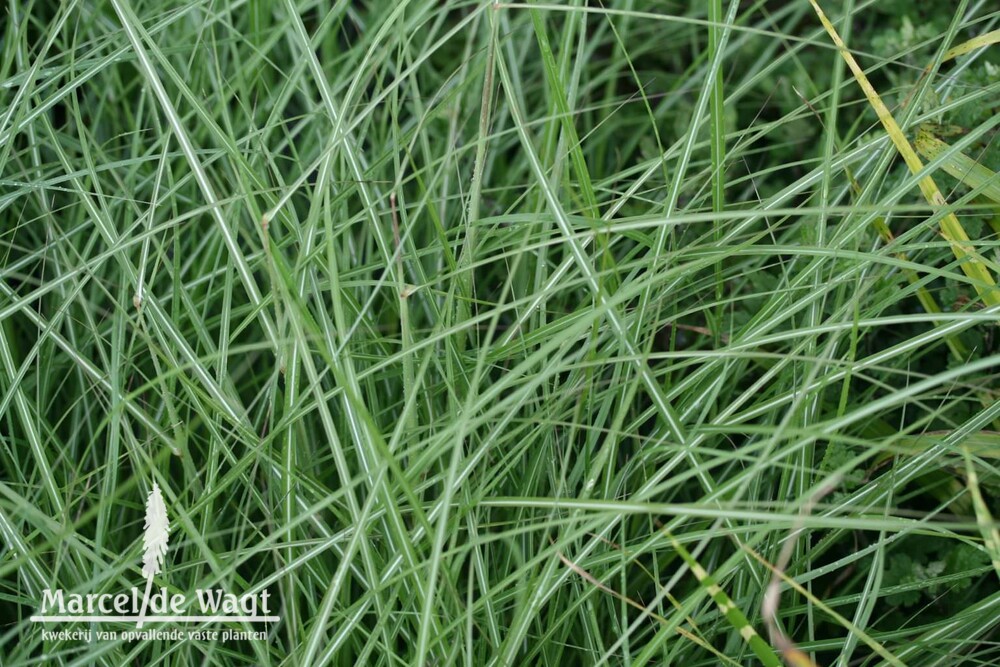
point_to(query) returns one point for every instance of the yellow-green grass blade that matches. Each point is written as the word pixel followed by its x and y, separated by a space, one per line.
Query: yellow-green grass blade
pixel 987 526
pixel 727 607
pixel 986 39
pixel 924 296
pixel 959 165
pixel 950 227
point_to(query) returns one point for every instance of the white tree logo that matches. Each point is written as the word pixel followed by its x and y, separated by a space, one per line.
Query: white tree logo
pixel 154 542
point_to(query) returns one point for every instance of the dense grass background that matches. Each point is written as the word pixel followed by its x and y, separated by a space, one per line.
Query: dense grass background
pixel 438 320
